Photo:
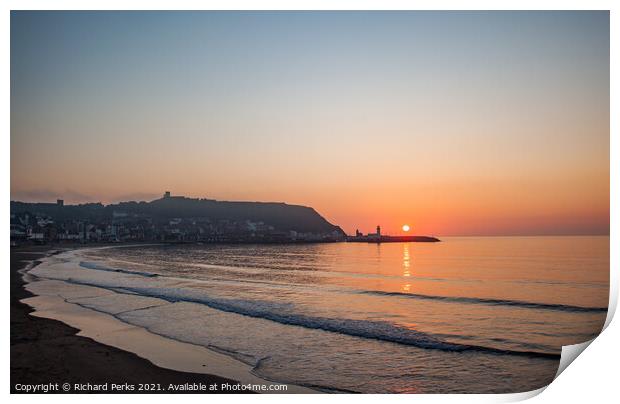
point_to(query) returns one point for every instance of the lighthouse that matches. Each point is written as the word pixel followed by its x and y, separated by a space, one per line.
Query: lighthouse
pixel 378 231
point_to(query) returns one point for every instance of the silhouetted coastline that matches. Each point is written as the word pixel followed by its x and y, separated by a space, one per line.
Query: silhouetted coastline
pixel 180 220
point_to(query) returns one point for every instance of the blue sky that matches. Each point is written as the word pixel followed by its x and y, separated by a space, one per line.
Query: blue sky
pixel 478 108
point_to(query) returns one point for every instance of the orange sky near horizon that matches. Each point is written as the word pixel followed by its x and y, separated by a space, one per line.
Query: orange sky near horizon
pixel 453 123
pixel 463 206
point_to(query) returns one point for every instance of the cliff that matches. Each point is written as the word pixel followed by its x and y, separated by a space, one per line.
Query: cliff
pixel 281 216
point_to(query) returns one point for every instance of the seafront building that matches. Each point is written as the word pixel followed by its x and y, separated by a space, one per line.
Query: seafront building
pixel 369 236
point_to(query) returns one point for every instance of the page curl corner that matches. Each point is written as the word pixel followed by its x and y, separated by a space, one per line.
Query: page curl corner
pixel 569 354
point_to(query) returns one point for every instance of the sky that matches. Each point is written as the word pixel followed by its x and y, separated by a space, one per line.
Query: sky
pixel 456 123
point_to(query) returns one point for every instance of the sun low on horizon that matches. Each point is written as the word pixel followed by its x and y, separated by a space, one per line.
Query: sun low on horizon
pixel 272 98
pixel 406 228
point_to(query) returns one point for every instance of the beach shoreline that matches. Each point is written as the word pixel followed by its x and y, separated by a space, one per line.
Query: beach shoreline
pixel 85 348
pixel 181 310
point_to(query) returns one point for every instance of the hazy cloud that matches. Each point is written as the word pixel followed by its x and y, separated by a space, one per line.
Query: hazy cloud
pixel 47 195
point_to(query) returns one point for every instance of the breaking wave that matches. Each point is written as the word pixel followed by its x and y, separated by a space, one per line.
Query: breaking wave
pixel 492 302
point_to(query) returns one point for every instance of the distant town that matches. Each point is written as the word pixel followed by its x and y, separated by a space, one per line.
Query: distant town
pixel 177 219
pixel 169 219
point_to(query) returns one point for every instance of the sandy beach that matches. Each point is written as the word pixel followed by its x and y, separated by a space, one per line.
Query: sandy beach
pixel 47 351
pixel 215 310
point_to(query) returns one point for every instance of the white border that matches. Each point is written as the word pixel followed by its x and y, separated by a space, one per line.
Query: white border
pixel 594 375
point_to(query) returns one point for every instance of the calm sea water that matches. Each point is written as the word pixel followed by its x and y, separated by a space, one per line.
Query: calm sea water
pixel 464 315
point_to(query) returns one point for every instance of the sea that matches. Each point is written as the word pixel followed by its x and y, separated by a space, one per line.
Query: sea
pixel 464 315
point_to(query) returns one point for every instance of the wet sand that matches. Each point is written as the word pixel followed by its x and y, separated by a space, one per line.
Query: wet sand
pixel 47 351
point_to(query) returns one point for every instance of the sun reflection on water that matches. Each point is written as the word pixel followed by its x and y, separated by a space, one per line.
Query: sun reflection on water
pixel 406 261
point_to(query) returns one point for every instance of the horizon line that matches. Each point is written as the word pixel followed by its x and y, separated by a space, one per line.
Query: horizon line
pixel 507 235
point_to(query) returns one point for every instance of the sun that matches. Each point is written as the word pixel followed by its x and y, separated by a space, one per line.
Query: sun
pixel 405 227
